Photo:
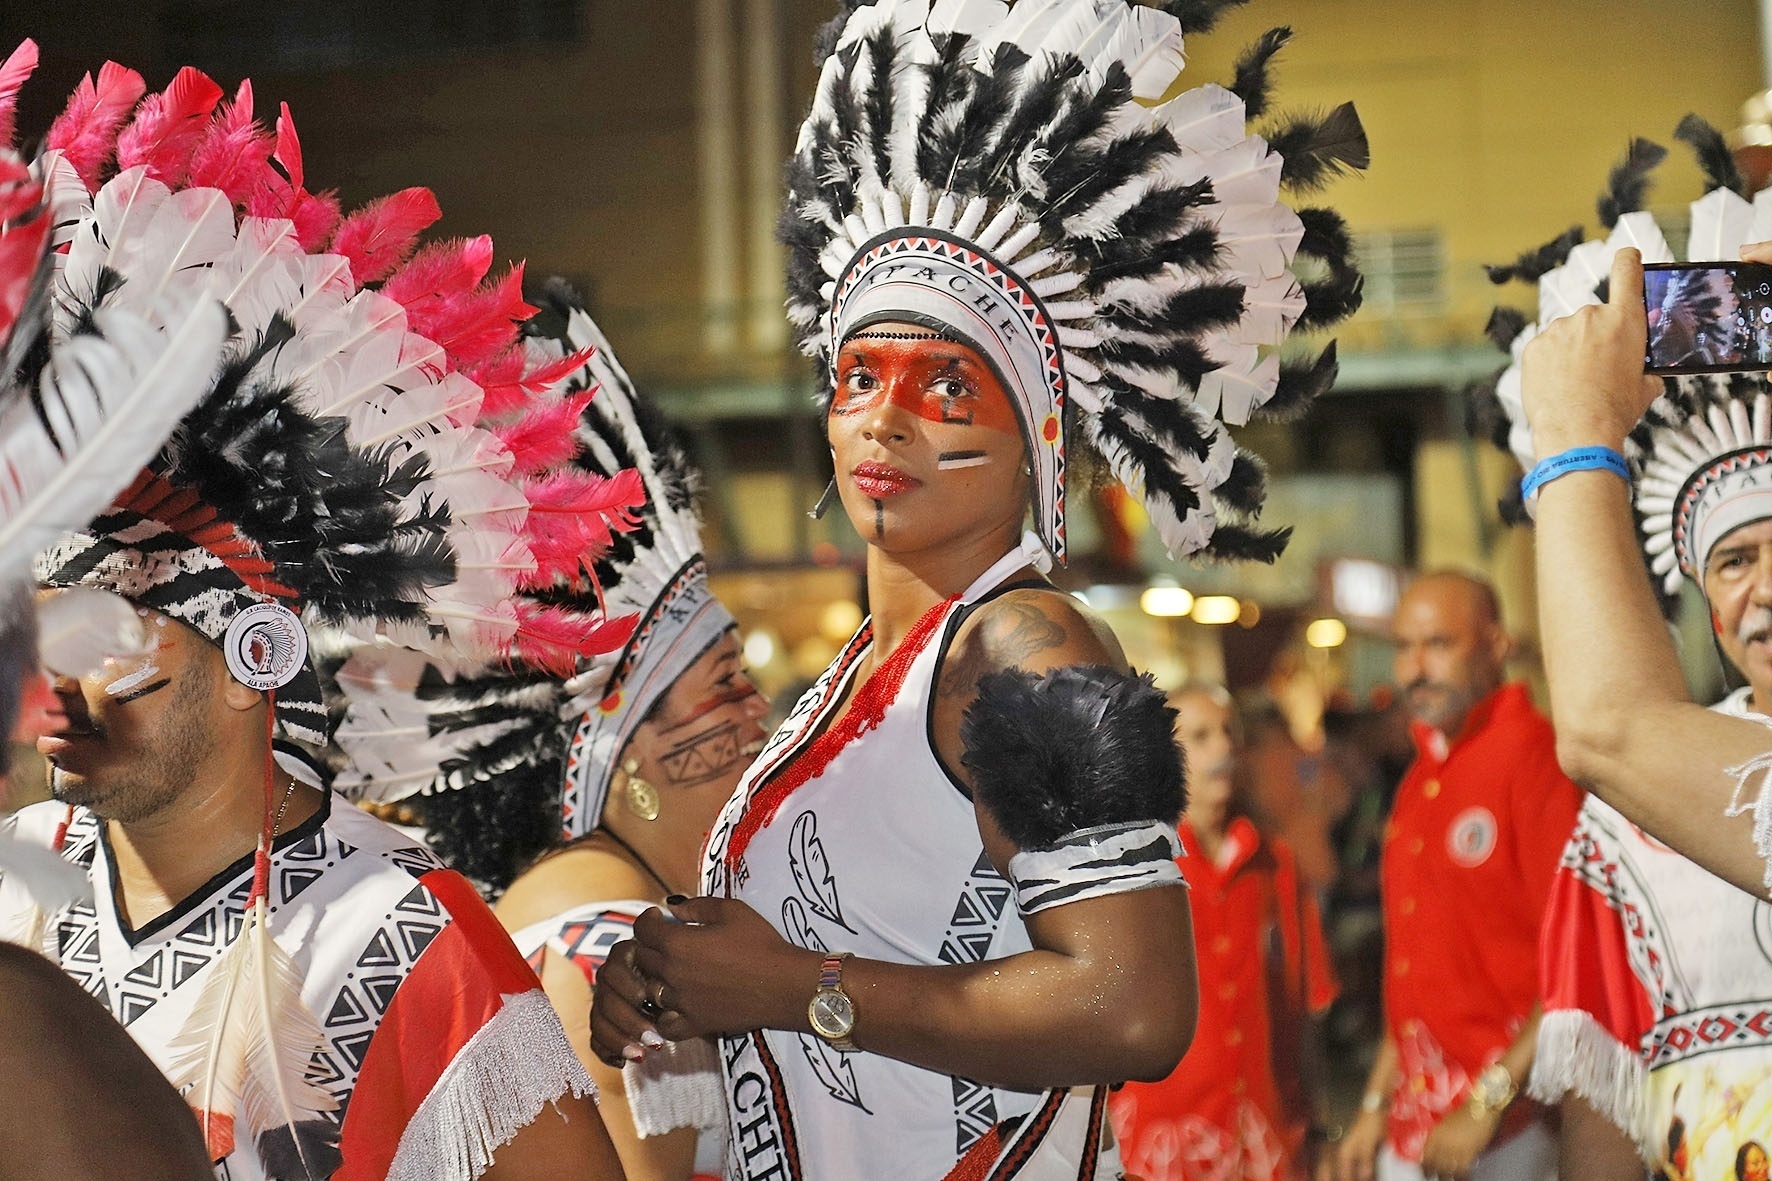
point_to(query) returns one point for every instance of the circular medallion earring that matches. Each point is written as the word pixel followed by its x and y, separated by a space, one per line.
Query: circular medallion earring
pixel 640 796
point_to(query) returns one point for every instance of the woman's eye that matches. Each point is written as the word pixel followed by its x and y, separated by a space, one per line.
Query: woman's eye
pixel 949 387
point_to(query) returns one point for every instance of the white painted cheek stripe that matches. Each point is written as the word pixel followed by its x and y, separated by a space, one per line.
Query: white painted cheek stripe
pixel 948 465
pixel 128 681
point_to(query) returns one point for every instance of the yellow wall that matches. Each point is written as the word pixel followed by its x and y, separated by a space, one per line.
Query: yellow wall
pixel 1498 119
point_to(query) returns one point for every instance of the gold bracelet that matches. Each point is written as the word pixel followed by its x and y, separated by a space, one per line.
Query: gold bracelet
pixel 1493 1089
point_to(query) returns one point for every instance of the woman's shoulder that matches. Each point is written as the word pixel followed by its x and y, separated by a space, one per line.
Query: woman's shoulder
pixel 1034 628
pixel 576 876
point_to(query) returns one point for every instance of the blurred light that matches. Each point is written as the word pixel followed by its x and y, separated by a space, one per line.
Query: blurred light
pixel 1326 633
pixel 1251 614
pixel 1166 602
pixel 759 649
pixel 1216 609
pixel 826 554
pixel 838 621
pixel 1363 589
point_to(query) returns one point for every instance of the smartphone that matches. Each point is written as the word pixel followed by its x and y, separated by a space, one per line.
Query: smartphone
pixel 1713 317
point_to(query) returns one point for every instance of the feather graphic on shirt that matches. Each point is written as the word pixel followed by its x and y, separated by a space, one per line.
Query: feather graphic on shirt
pixel 812 870
pixel 798 928
pixel 833 1069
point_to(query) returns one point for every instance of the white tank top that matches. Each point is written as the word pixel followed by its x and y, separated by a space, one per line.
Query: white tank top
pixel 880 855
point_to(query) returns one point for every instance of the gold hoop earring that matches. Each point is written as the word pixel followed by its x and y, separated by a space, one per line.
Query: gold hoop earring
pixel 640 796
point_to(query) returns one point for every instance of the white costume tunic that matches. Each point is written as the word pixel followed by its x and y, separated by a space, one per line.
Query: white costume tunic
pixel 438 1043
pixel 880 855
pixel 1658 993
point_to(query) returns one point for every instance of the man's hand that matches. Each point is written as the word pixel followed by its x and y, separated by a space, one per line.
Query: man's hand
pixel 1582 378
pixel 1355 1156
pixel 1457 1141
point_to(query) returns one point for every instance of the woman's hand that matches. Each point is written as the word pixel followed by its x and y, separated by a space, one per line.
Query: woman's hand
pixel 710 966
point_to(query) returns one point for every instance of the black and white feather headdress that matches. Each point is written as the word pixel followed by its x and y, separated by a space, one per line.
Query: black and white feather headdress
pixel 1008 175
pixel 1701 457
pixel 514 758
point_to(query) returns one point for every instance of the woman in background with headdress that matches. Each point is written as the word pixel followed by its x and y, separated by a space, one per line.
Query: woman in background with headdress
pixel 997 254
pixel 580 801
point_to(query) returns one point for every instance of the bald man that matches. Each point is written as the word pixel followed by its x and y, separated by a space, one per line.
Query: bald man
pixel 1473 842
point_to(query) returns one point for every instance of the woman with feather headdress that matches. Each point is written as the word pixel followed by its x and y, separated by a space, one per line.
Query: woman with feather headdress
pixel 579 797
pixel 329 1000
pixel 942 912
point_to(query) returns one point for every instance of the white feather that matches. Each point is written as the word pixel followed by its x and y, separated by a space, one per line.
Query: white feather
pixel 1207 118
pixel 245 1048
pixel 1720 224
pixel 1154 57
pixel 1639 230
pixel 968 17
pixel 113 397
pixel 80 628
pixel 49 880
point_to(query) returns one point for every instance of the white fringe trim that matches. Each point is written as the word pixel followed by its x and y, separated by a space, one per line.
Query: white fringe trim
pixel 495 1086
pixel 680 1086
pixel 1576 1055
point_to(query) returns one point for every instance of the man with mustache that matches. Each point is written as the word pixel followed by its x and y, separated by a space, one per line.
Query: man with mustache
pixel 1239 1103
pixel 1657 977
pixel 1469 853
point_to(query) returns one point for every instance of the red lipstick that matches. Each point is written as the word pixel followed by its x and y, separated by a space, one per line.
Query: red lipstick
pixel 877 481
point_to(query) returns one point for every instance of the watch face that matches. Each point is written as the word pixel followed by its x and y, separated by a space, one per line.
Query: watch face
pixel 832 1014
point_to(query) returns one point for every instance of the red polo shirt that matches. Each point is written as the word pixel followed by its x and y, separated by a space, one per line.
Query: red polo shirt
pixel 1474 840
pixel 1233 1110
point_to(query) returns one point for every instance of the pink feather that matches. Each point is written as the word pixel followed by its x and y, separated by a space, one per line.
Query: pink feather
pixel 169 126
pixel 545 437
pixel 13 72
pixel 477 325
pixel 235 154
pixel 380 236
pixel 509 385
pixel 86 130
pixel 573 517
pixel 553 639
pixel 23 241
pixel 451 267
pixel 281 192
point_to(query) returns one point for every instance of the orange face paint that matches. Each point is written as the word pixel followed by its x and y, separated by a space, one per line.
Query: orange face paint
pixel 937 380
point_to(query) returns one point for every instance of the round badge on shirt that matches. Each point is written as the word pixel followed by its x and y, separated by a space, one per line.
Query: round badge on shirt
pixel 1471 838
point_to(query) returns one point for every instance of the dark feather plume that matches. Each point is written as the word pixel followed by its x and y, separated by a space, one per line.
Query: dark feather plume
pixel 1713 154
pixel 1300 385
pixel 1245 488
pixel 1505 324
pixel 1326 237
pixel 1240 543
pixel 1332 300
pixel 882 49
pixel 1536 263
pixel 1075 748
pixel 1198 16
pixel 1628 183
pixel 290 1151
pixel 1251 82
pixel 1318 148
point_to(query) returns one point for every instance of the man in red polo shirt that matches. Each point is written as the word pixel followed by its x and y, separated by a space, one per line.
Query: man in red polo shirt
pixel 1474 839
pixel 1237 1108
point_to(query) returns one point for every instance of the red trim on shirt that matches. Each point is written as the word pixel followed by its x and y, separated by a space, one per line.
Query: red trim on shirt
pixel 458 984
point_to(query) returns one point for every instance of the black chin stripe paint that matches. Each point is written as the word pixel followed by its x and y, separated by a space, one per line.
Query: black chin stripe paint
pixel 879 520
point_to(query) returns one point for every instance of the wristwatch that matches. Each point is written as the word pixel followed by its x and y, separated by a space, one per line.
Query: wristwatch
pixel 831 1012
pixel 1493 1089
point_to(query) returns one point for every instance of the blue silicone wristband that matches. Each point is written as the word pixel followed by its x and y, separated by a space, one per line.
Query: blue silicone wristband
pixel 1576 459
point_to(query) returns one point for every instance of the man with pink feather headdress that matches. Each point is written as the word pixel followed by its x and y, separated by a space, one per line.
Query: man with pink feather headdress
pixel 386 462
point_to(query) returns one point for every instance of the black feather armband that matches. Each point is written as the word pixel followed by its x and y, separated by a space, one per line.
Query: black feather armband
pixel 1080 769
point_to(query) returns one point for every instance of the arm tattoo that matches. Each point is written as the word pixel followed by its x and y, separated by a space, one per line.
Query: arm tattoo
pixel 1004 640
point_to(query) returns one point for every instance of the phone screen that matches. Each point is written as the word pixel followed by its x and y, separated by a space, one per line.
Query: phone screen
pixel 1708 317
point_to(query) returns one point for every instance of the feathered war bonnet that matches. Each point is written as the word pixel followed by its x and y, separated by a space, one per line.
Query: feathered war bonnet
pixel 333 469
pixel 1701 458
pixel 517 758
pixel 1005 175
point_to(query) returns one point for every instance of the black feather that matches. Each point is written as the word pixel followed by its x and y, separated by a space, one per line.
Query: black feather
pixel 987 102
pixel 1318 148
pixel 1161 483
pixel 1094 174
pixel 1036 106
pixel 1325 237
pixel 1183 358
pixel 950 79
pixel 1628 183
pixel 1332 300
pixel 284 1149
pixel 1196 249
pixel 1713 154
pixel 1240 543
pixel 1245 488
pixel 1074 748
pixel 1201 309
pixel 1174 420
pixel 1486 418
pixel 1504 326
pixel 1251 82
pixel 882 50
pixel 1198 16
pixel 1300 385
pixel 824 42
pixel 1536 263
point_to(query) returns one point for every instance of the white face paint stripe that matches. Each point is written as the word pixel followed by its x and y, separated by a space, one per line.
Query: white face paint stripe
pixel 948 465
pixel 128 681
